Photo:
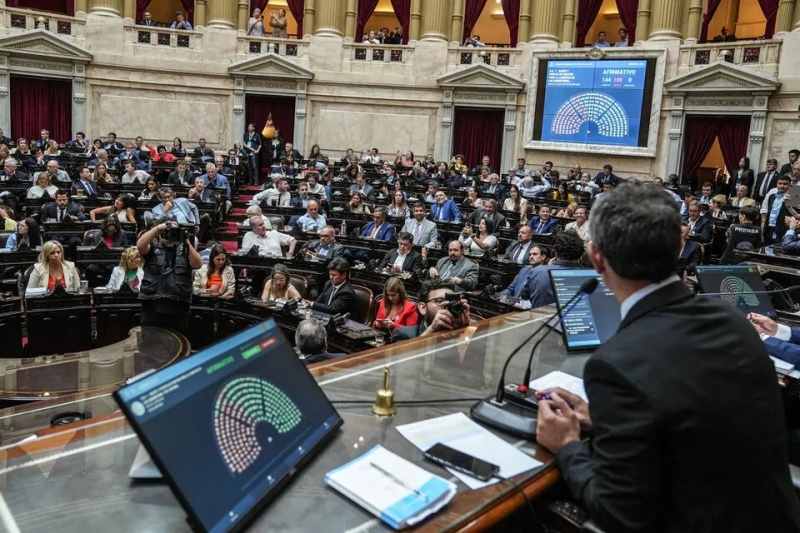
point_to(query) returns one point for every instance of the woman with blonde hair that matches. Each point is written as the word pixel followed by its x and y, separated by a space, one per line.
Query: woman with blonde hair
pixel 395 309
pixel 279 285
pixel 129 270
pixel 278 24
pixel 52 269
pixel 715 207
pixel 43 185
pixel 568 212
pixel 216 277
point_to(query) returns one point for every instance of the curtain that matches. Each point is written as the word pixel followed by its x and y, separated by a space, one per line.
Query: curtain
pixel 40 103
pixel 141 7
pixel 628 13
pixel 511 14
pixel 402 10
pixel 472 12
pixel 734 132
pixel 365 10
pixel 66 7
pixel 707 16
pixel 699 136
pixel 770 10
pixel 260 4
pixel 188 8
pixel 258 108
pixel 587 14
pixel 298 9
pixel 478 132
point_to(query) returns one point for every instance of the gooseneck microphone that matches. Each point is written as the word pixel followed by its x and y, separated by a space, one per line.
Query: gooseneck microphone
pixel 515 418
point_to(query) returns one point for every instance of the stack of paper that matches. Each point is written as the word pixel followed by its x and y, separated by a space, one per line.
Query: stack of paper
pixel 560 379
pixel 395 490
pixel 781 366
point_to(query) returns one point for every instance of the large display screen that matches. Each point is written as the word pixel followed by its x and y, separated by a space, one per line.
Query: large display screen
pixel 604 102
pixel 228 425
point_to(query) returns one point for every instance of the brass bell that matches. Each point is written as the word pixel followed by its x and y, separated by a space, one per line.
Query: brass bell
pixel 384 402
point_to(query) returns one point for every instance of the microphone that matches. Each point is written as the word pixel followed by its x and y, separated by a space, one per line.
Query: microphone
pixel 511 417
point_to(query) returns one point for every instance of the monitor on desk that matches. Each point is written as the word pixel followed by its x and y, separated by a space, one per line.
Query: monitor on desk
pixel 738 285
pixel 593 319
pixel 229 426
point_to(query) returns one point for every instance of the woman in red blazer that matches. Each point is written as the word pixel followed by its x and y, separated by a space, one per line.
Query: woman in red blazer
pixel 395 310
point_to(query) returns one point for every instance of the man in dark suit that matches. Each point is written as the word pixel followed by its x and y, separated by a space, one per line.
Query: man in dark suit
pixel 10 172
pixel 544 223
pixel 63 210
pixel 606 176
pixel 147 20
pixel 700 228
pixel 495 188
pixel 404 258
pixel 766 181
pixel 85 184
pixel 337 295
pixel 326 247
pixel 363 187
pixel 774 211
pixel 671 405
pixel 311 341
pixel 786 168
pixel 691 254
pixel 517 251
pixel 488 210
pixel 432 307
pixel 252 144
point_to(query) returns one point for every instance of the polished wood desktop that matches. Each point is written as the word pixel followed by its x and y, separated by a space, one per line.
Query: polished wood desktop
pixel 87 462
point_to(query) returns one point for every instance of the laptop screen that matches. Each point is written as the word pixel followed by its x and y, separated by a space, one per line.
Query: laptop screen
pixel 229 425
pixel 594 319
pixel 736 284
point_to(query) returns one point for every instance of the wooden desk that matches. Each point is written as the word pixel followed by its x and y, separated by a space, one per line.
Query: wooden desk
pixel 88 462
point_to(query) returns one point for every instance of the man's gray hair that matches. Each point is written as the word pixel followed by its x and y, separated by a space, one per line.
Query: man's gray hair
pixel 210 166
pixel 310 337
pixel 10 162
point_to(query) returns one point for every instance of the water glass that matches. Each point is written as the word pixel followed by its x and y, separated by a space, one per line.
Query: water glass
pixel 84 286
pixel 380 339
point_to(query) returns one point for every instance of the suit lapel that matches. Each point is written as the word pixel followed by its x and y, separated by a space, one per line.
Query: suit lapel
pixel 664 296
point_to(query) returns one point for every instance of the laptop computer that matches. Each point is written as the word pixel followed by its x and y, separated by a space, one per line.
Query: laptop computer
pixel 593 319
pixel 737 285
pixel 229 426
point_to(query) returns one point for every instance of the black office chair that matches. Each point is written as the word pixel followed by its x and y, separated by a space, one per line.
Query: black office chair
pixel 362 308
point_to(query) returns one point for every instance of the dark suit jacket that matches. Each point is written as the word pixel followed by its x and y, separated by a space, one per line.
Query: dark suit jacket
pixel 671 421
pixel 523 256
pixel 756 192
pixel 748 178
pixel 498 218
pixel 551 226
pixel 342 302
pixel 703 230
pixel 412 262
pixel 49 211
pixel 385 233
pixel 499 191
pixel 120 238
pixel 18 176
pixel 690 257
pixel 786 168
pixel 79 185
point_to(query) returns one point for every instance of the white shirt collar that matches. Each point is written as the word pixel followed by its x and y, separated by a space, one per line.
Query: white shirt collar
pixel 639 295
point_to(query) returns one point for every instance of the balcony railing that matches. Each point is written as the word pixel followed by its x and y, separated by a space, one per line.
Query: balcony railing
pixel 500 57
pixel 762 55
pixel 250 46
pixel 149 38
pixel 378 53
pixel 69 28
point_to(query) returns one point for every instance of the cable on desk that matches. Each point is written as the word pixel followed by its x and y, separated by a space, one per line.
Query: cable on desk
pixel 519 489
pixel 408 402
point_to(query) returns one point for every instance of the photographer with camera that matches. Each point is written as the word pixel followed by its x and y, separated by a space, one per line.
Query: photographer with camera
pixel 441 309
pixel 166 289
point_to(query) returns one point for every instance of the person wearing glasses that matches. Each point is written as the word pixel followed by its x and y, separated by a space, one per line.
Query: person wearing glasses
pixel 434 316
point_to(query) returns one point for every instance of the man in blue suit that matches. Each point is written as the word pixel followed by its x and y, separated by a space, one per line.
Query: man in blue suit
pixel 379 229
pixel 214 180
pixel 85 184
pixel 791 241
pixel 445 209
pixel 781 341
pixel 606 176
pixel 536 256
pixel 700 228
pixel 544 223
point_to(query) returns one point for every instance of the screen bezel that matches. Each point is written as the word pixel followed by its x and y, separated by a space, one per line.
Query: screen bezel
pixel 654 91
pixel 748 268
pixel 264 499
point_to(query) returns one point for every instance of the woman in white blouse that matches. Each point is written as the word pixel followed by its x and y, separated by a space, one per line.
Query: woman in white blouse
pixel 480 242
pixel 129 270
pixel 255 26
pixel 43 185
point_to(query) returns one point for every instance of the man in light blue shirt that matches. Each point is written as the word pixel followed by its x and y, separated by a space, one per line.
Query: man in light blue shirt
pixel 180 22
pixel 536 257
pixel 771 210
pixel 601 41
pixel 312 221
pixel 179 209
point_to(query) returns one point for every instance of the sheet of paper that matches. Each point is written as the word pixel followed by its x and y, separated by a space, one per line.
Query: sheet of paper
pixel 464 435
pixel 560 379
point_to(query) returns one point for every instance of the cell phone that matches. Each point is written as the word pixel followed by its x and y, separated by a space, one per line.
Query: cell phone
pixel 461 462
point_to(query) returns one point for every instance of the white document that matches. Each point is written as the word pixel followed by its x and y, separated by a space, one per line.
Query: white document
pixel 782 367
pixel 464 435
pixel 560 379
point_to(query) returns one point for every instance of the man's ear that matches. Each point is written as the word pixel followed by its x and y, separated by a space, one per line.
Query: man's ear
pixel 597 259
pixel 421 307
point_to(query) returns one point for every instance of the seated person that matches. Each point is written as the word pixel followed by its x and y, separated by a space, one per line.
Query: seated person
pixel 690 255
pixel 746 236
pixel 215 180
pixel 43 185
pixel 52 269
pixel 700 228
pixel 102 158
pixel 217 277
pixel 312 221
pixel 445 209
pixel 56 175
pixel 279 285
pixel 395 310
pixel 488 209
pixel 128 271
pixel 379 229
pixel 567 251
pixel 85 186
pixel 357 204
pixel 122 209
pixel 537 255
pixel 326 247
pixel 180 22
pixel 517 251
pixel 337 295
pixel 255 211
pixel 423 230
pixel 11 173
pixel 303 197
pixel 362 186
pixel 150 191
pixel 179 209
pixel 404 258
pixel 268 242
pixel 495 188
pixel 544 223
pixel 780 340
pixel 311 341
pixel 202 150
pixel 7 221
pixel 455 268
pixel 580 225
pixel 435 317
pixel 181 175
pixel 132 175
pixel 275 196
pixel 62 209
pixel 534 186
pixel 111 233
pixel 27 233
pixel 201 193
pixel 481 241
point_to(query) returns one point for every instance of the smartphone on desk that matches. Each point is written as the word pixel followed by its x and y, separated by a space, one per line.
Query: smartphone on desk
pixel 460 461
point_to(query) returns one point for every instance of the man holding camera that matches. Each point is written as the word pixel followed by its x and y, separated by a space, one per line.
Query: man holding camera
pixel 166 290
pixel 442 309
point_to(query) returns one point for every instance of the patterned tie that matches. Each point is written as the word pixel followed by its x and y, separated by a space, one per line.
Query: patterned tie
pixel 516 255
pixel 416 233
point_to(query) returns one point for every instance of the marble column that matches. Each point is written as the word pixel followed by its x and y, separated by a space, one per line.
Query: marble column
pixel 308 18
pixel 222 13
pixel 414 23
pixel 350 21
pixel 436 20
pixel 545 15
pixel 666 23
pixel 457 22
pixel 243 15
pixel 200 13
pixel 524 28
pixel 796 17
pixel 643 20
pixel 330 18
pixel 692 31
pixel 106 7
pixel 568 26
pixel 129 9
pixel 784 17
pixel 80 7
